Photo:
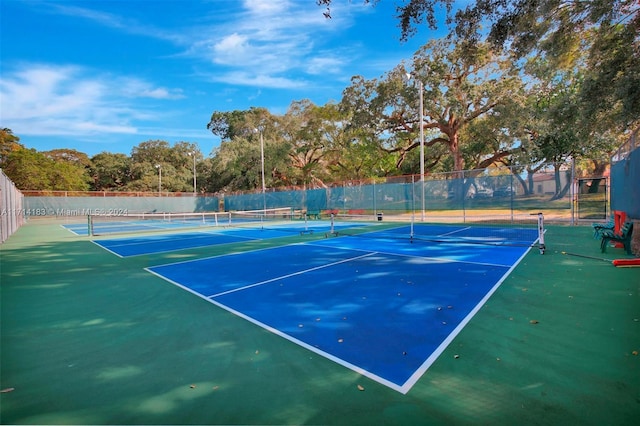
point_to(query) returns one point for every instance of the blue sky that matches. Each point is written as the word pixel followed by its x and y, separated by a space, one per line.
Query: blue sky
pixel 106 75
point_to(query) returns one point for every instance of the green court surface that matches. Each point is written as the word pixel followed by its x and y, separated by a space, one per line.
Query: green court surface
pixel 91 338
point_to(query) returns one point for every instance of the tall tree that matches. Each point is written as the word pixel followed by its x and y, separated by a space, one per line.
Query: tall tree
pixel 152 151
pixel 8 143
pixel 110 171
pixel 72 156
pixel 185 156
pixel 305 129
pixel 556 29
pixel 230 166
pixel 28 169
pixel 237 162
pixel 461 84
pixel 33 170
pixel 155 165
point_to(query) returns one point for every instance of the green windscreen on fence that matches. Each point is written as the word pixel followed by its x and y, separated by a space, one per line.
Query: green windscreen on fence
pixel 489 192
pixel 115 204
pixel 625 178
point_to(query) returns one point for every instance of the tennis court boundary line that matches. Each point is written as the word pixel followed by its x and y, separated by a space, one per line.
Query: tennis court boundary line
pixel 454 231
pixel 330 357
pixel 106 249
pixel 454 333
pixel 72 231
pixel 403 388
pixel 293 274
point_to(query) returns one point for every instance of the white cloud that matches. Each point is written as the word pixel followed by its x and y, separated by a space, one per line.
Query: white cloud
pixel 68 100
pixel 273 40
pixel 110 20
pixel 271 44
pixel 162 93
pixel 239 78
pixel 322 65
pixel 266 7
pixel 230 49
pixel 136 88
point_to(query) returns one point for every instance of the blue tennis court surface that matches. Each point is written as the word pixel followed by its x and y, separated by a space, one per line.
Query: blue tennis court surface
pixel 384 307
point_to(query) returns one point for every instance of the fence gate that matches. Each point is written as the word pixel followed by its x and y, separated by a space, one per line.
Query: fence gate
pixel 593 198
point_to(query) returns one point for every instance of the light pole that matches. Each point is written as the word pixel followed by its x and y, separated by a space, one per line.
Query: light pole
pixel 193 154
pixel 159 167
pixel 264 199
pixel 421 114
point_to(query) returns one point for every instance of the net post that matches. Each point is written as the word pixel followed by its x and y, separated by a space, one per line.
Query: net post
pixel 541 244
pixel 90 225
pixel 413 206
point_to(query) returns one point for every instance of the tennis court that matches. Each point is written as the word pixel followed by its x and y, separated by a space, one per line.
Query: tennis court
pixel 380 303
pixel 93 338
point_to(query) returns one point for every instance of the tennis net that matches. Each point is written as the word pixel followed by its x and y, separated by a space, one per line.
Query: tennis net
pixel 522 231
pixel 153 222
pixel 260 218
pixel 301 222
pixel 280 220
pixel 100 224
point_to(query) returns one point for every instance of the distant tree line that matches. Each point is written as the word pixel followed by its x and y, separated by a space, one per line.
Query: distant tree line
pixel 71 170
pixel 541 87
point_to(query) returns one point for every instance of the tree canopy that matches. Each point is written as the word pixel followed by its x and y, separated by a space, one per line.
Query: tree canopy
pixel 603 35
pixel 550 80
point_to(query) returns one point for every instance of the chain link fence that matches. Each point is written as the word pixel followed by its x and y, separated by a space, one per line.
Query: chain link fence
pixel 496 193
pixel 491 194
pixel 11 207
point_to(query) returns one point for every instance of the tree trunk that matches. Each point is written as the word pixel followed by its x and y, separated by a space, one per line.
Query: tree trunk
pixel 556 178
pixel 454 147
pixel 598 171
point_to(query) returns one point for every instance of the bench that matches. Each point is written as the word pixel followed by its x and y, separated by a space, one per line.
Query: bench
pixel 313 214
pixel 624 237
pixel 599 227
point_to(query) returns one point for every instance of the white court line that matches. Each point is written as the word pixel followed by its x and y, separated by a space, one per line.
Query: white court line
pixel 292 274
pixel 104 248
pixel 418 373
pixel 73 232
pixel 454 231
pixel 244 239
pixel 313 349
pixel 440 349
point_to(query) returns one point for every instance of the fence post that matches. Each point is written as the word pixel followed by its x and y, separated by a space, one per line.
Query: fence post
pixel 511 192
pixel 574 193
